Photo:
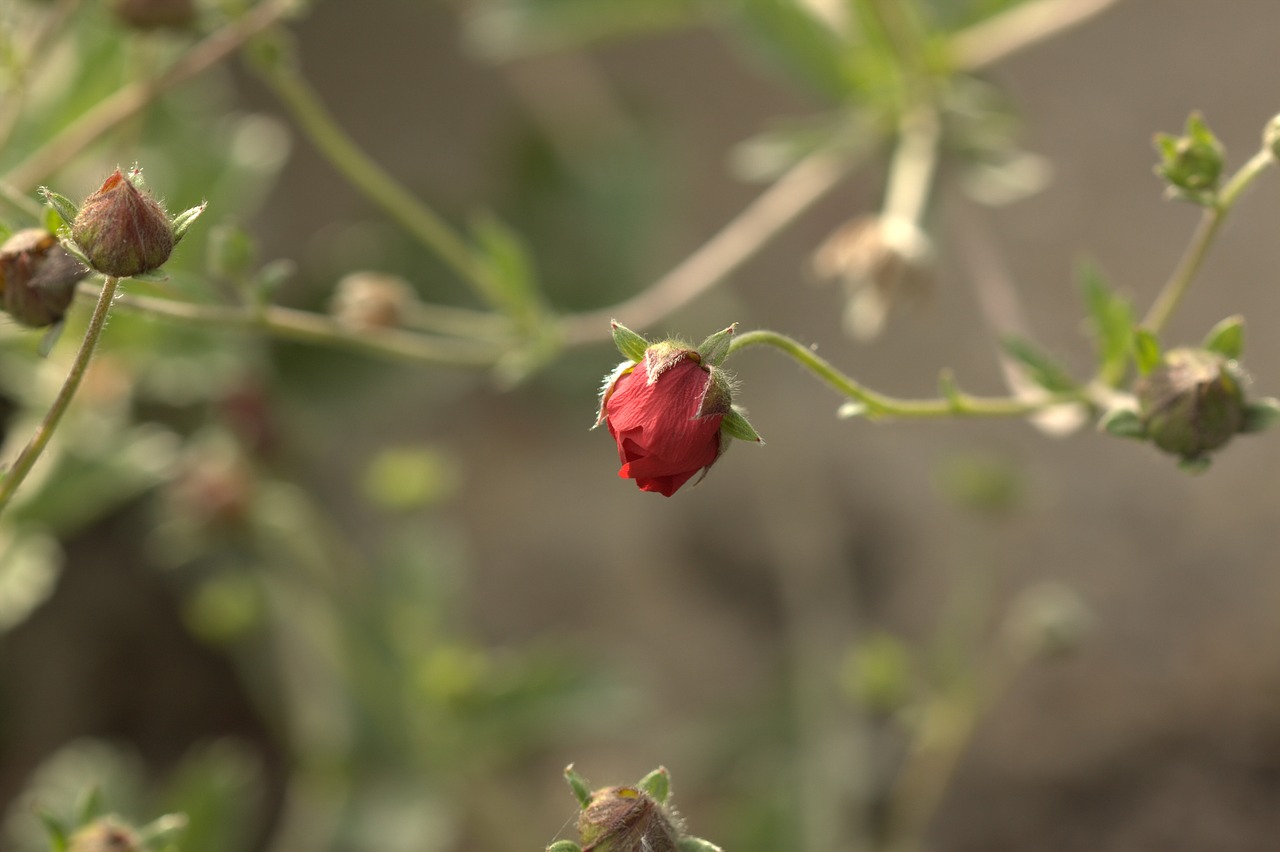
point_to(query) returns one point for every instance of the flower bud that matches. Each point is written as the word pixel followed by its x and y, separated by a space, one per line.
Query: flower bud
pixel 1192 402
pixel 105 835
pixel 38 277
pixel 156 14
pixel 368 301
pixel 1192 163
pixel 122 230
pixel 627 819
pixel 671 414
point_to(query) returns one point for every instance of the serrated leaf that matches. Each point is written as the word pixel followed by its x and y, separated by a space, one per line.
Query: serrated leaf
pixel 1146 350
pixel 1226 338
pixel 507 268
pixel 1111 318
pixel 1039 366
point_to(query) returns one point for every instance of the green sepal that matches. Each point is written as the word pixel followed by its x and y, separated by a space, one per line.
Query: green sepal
pixel 1146 350
pixel 60 205
pixel 72 247
pixel 1226 338
pixel 657 784
pixel 55 829
pixel 715 348
pixel 162 829
pixel 1123 423
pixel 51 337
pixel 185 219
pixel 1039 366
pixel 1195 464
pixel 735 425
pixel 88 805
pixel 630 344
pixel 153 276
pixel 564 846
pixel 697 844
pixel 1260 415
pixel 579 787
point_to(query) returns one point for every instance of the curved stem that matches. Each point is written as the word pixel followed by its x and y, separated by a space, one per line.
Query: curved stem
pixel 133 98
pixel 39 440
pixel 954 404
pixel 307 327
pixel 1193 258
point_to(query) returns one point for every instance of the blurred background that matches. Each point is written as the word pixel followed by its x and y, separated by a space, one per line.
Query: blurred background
pixel 322 601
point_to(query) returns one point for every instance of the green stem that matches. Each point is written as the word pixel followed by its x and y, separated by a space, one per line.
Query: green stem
pixel 1198 249
pixel 39 440
pixel 954 404
pixel 307 327
pixel 371 179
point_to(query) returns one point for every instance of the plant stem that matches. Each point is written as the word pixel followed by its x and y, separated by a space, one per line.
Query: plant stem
pixel 133 98
pixel 39 440
pixel 954 404
pixel 366 175
pixel 308 327
pixel 1193 258
pixel 1020 27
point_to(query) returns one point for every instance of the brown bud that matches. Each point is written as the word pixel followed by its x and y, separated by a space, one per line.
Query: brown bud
pixel 627 819
pixel 122 230
pixel 367 301
pixel 1192 402
pixel 156 14
pixel 105 835
pixel 38 277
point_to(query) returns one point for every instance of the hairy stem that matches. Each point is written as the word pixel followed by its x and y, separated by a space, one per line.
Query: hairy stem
pixel 954 404
pixel 39 440
pixel 1179 282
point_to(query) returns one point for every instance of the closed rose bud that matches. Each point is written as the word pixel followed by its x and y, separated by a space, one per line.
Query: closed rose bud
pixel 122 230
pixel 38 277
pixel 1192 402
pixel 665 415
pixel 627 819
pixel 156 14
pixel 105 835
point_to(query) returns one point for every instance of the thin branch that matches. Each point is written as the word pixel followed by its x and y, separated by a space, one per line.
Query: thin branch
pixel 1021 27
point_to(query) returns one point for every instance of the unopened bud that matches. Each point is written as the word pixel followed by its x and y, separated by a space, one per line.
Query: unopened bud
pixel 627 819
pixel 156 14
pixel 1047 621
pixel 1192 402
pixel 368 301
pixel 38 277
pixel 105 835
pixel 1192 163
pixel 122 230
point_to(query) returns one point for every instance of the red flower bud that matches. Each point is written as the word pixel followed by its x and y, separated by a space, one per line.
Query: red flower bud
pixel 122 230
pixel 665 415
pixel 37 277
pixel 105 835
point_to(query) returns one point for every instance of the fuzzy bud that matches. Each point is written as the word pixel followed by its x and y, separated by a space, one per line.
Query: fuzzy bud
pixel 368 301
pixel 37 277
pixel 1192 163
pixel 122 230
pixel 105 835
pixel 1192 402
pixel 626 819
pixel 156 14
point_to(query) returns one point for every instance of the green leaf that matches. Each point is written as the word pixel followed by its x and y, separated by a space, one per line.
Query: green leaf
pixel 657 784
pixel 1111 320
pixel 1261 414
pixel 54 828
pixel 1227 338
pixel 1146 350
pixel 1039 366
pixel 735 425
pixel 579 787
pixel 792 35
pixel 185 220
pixel 507 267
pixel 89 805
pixel 61 205
pixel 1123 423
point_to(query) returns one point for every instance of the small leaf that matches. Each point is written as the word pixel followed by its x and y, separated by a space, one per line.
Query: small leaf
pixel 271 276
pixel 1261 414
pixel 1123 423
pixel 60 204
pixel 51 337
pixel 657 784
pixel 630 344
pixel 231 252
pixel 576 783
pixel 1146 350
pixel 185 219
pixel 1227 338
pixel 153 276
pixel 1040 368
pixel 715 348
pixel 56 831
pixel 735 425
pixel 89 805
pixel 1111 318
pixel 507 268
pixel 1194 465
